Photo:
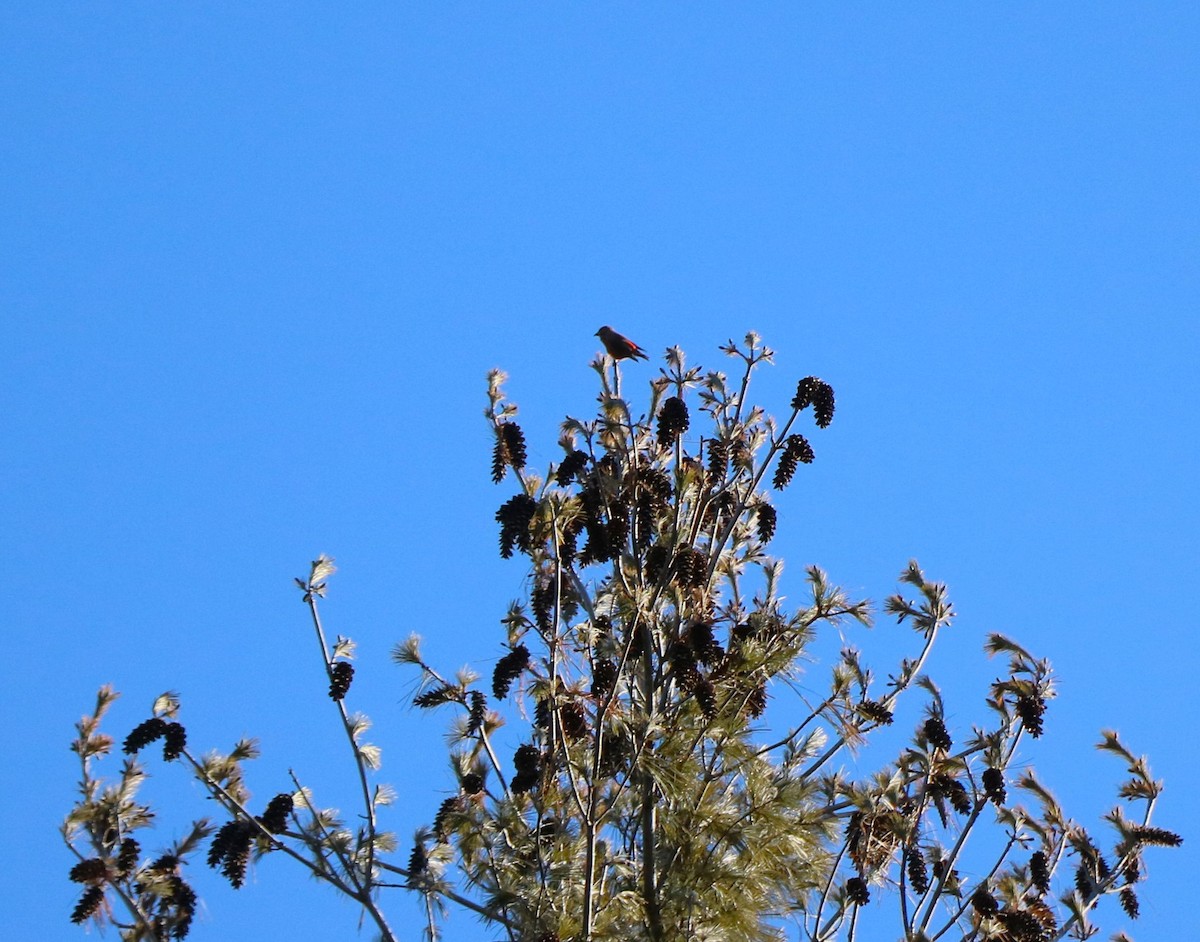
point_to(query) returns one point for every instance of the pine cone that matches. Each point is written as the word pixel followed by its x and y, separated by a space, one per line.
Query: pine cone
pixel 984 903
pixel 418 862
pixel 443 693
pixel 231 851
pixel 88 904
pixel 993 786
pixel 340 676
pixel 88 871
pixel 514 517
pixel 672 420
pixel 477 712
pixel 509 450
pixel 508 669
pixel 127 857
pixel 145 733
pixel 447 807
pixel 818 394
pixel 573 718
pixel 528 762
pixel 571 467
pixel 718 459
pixel 275 818
pixel 766 522
pixel 795 450
pixel 174 741
pixel 604 677
pixel 876 711
pixel 1030 709
pixel 857 892
pixel 937 734
pixel 918 874
pixel 1039 871
pixel 756 700
pixel 541 602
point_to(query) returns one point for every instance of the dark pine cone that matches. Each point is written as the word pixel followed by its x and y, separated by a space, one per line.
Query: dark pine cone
pixel 231 851
pixel 1021 926
pixel 691 568
pixel 937 734
pixel 918 875
pixel 509 450
pixel 604 677
pixel 508 669
pixel 174 741
pixel 1160 837
pixel 706 696
pixel 718 459
pixel 818 394
pixel 418 861
pixel 656 561
pixel 1030 709
pixel 340 676
pixel 477 712
pixel 573 718
pixel 541 601
pixel 144 734
pixel 672 420
pixel 127 858
pixel 857 892
pixel 704 643
pixel 795 450
pixel 766 522
pixel 92 897
pixel 275 818
pixel 943 786
pixel 993 786
pixel 570 468
pixel 184 898
pixel 959 797
pixel 984 903
pixel 617 529
pixel 88 870
pixel 447 807
pixel 514 517
pixel 167 863
pixel 756 700
pixel 527 761
pixel 1039 871
pixel 443 693
pixel 874 710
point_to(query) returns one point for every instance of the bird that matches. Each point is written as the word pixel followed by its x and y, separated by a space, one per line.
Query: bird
pixel 618 346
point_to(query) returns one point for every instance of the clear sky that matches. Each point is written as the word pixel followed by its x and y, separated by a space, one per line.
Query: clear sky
pixel 257 259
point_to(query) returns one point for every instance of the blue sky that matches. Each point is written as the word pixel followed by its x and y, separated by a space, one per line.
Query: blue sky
pixel 258 260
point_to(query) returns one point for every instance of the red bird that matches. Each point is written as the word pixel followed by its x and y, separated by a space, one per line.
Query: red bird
pixel 620 347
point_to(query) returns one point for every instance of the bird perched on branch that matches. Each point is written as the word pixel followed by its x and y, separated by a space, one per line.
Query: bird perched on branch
pixel 618 346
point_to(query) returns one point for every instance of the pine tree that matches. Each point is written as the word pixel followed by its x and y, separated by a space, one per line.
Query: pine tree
pixel 670 783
